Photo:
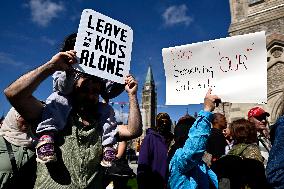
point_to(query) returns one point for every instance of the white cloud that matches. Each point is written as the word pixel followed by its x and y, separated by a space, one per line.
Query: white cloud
pixel 176 15
pixel 48 40
pixel 43 11
pixel 8 60
pixel 15 35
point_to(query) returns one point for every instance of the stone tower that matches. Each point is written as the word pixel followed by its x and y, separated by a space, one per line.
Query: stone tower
pixel 248 16
pixel 149 101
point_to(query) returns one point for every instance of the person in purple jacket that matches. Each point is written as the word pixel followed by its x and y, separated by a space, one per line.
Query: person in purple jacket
pixel 152 162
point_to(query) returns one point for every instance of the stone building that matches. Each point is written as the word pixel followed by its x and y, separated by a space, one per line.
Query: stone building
pixel 149 101
pixel 248 16
pixel 148 109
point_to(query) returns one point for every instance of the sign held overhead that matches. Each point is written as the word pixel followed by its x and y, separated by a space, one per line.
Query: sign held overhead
pixel 103 46
pixel 234 67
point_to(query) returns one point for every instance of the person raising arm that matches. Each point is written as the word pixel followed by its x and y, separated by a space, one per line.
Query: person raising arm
pixel 20 93
pixel 187 169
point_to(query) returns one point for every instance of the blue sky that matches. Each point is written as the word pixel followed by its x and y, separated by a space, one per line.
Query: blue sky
pixel 32 31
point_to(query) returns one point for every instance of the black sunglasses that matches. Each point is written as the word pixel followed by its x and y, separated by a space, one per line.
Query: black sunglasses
pixel 85 88
pixel 261 117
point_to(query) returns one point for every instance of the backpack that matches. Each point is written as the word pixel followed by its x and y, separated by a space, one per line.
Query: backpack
pixel 236 172
pixel 24 171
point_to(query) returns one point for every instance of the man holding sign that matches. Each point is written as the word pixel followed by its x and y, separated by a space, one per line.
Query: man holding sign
pixel 58 106
pixel 111 39
pixel 80 154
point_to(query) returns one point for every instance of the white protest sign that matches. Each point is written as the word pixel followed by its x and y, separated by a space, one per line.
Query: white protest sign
pixel 103 46
pixel 234 67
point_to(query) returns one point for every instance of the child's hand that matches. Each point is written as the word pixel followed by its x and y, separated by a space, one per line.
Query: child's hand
pixel 63 60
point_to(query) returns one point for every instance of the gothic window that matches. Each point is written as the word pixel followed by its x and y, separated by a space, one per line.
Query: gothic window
pixel 276 52
pixel 147 99
pixel 253 2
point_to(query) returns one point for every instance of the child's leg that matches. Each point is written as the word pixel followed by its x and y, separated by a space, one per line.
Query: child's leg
pixel 45 148
pixel 109 139
pixel 55 113
pixel 54 118
pixel 109 155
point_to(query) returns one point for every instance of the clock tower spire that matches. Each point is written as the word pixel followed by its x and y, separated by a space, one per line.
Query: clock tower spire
pixel 149 100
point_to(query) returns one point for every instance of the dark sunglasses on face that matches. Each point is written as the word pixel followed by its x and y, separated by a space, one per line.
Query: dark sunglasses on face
pixel 85 87
pixel 261 117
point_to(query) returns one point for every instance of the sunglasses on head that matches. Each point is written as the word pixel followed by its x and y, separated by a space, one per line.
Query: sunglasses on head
pixel 261 117
pixel 87 76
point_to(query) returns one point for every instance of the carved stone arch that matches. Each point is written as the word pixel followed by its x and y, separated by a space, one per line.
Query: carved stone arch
pixel 271 64
pixel 275 100
pixel 274 54
pixel 275 96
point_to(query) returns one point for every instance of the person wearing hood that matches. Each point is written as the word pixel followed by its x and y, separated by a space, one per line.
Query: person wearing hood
pixel 152 162
pixel 17 153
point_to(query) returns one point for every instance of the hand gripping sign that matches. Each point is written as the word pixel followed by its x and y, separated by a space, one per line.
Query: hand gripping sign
pixel 103 46
pixel 234 67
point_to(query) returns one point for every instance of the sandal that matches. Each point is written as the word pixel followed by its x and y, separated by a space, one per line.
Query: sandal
pixel 45 150
pixel 108 156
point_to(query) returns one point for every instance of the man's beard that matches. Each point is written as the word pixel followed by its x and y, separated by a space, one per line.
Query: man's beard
pixel 85 105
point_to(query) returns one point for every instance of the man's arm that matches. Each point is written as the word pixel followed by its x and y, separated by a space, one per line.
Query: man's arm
pixel 134 127
pixel 19 93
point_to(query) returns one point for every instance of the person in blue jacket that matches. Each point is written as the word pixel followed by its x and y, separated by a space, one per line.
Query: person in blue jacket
pixel 275 164
pixel 187 169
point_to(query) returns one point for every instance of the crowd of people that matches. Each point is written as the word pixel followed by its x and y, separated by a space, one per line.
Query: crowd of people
pixel 72 139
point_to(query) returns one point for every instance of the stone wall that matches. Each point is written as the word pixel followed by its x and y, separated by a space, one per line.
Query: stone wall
pixel 267 15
